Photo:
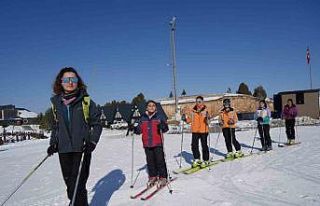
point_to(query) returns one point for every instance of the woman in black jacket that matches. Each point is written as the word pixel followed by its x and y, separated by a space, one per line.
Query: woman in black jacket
pixel 76 131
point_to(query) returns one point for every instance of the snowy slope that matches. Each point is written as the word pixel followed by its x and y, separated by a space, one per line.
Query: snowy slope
pixel 285 176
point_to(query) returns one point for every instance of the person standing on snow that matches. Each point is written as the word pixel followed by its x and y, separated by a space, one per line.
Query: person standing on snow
pixel 289 113
pixel 200 129
pixel 152 126
pixel 263 116
pixel 228 119
pixel 72 137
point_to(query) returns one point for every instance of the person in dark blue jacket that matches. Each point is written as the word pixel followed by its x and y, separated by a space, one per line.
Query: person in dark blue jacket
pixel 152 126
pixel 75 132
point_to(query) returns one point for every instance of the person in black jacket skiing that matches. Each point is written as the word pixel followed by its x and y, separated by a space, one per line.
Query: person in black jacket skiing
pixel 76 131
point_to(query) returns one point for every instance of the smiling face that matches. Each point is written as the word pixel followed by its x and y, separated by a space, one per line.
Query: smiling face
pixel 262 104
pixel 151 108
pixel 199 102
pixel 69 82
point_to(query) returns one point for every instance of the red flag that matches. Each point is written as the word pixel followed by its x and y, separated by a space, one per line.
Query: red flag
pixel 308 56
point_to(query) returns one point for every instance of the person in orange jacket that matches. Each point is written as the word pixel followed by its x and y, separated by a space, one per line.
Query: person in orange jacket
pixel 199 127
pixel 228 119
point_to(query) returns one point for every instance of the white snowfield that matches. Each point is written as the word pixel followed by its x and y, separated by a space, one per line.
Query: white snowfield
pixel 285 176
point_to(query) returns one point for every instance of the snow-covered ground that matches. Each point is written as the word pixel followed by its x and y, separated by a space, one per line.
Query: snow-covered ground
pixel 285 176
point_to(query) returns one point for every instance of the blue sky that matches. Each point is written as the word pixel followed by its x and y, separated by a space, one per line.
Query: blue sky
pixel 121 47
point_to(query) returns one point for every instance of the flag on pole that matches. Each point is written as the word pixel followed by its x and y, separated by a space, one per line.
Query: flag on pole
pixel 308 56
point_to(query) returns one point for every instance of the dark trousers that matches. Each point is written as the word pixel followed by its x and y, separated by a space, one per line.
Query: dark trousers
pixel 204 145
pixel 155 162
pixel 230 138
pixel 290 123
pixel 264 132
pixel 70 163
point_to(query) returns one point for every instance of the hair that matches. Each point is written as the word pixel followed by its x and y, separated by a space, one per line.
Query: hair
pixel 151 101
pixel 290 100
pixel 57 87
pixel 199 97
pixel 264 102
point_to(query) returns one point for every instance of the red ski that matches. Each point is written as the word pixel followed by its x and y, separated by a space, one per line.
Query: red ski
pixel 140 193
pixel 157 190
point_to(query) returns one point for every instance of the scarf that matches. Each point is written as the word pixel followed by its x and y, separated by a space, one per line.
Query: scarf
pixel 70 97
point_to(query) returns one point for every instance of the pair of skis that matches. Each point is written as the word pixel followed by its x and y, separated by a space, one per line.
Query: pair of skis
pixel 154 191
pixel 190 170
pixel 287 144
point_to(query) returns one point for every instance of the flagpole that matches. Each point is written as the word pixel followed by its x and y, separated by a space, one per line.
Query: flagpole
pixel 310 76
pixel 174 69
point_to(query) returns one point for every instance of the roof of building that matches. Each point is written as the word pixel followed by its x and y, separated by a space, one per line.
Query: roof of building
pixel 299 91
pixel 8 106
pixel 206 97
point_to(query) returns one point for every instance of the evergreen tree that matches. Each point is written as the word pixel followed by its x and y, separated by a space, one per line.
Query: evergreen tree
pixel 244 89
pixel 260 92
pixel 47 120
pixel 229 90
pixel 170 95
pixel 184 93
pixel 138 99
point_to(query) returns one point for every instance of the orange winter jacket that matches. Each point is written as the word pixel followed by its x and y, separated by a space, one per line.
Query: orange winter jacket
pixel 198 119
pixel 228 119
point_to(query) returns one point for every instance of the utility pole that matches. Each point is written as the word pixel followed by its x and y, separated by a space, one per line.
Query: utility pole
pixel 173 53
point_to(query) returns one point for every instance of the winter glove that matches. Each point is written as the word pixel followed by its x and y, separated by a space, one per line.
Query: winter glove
pixel 52 149
pixel 89 146
pixel 230 122
pixel 161 127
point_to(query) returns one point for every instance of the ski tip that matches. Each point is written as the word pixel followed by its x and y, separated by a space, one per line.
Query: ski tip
pixel 131 186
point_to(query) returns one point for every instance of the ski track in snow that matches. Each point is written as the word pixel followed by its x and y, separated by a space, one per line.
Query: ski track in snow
pixel 284 176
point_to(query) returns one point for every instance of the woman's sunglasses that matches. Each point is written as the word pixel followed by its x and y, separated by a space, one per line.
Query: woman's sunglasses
pixel 69 79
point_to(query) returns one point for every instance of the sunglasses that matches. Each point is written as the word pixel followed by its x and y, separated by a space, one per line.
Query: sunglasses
pixel 69 79
pixel 199 101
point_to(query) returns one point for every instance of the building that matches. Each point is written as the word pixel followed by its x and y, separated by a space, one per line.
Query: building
pixel 9 114
pixel 307 102
pixel 245 105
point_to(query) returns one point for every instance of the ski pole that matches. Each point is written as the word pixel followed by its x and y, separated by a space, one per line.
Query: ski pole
pixel 182 130
pixel 132 161
pixel 209 145
pixel 279 144
pixel 77 181
pixel 135 116
pixel 217 140
pixel 296 128
pixel 25 179
pixel 215 152
pixel 254 139
pixel 135 179
pixel 264 137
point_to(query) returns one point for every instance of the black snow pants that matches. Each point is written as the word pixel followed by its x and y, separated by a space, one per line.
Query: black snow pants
pixel 70 163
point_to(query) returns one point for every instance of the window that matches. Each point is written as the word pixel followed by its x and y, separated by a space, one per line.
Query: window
pixel 1 114
pixel 300 98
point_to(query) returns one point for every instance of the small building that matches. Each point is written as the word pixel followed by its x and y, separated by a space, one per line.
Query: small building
pixel 9 114
pixel 245 105
pixel 307 102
